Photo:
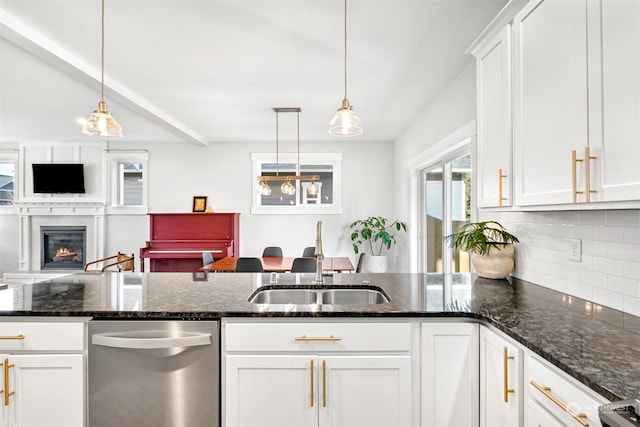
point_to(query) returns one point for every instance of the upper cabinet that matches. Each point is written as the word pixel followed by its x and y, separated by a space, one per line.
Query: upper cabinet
pixel 558 99
pixel 576 102
pixel 493 74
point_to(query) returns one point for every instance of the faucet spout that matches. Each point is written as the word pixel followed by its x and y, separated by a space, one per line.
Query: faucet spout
pixel 319 255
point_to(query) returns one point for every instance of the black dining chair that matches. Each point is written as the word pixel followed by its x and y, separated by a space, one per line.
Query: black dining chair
pixel 249 265
pixel 304 265
pixel 272 251
pixel 309 252
pixel 360 262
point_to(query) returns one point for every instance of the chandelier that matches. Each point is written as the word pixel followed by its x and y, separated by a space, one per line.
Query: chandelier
pixel 287 187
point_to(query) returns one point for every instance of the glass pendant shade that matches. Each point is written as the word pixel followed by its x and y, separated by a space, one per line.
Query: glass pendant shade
pixel 102 123
pixel 345 122
pixel 313 188
pixel 264 189
pixel 288 188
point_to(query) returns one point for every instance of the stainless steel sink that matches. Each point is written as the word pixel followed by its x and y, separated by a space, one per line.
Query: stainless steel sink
pixel 354 296
pixel 360 295
pixel 284 296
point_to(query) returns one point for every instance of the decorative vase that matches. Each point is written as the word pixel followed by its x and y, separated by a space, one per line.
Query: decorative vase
pixel 376 263
pixel 497 264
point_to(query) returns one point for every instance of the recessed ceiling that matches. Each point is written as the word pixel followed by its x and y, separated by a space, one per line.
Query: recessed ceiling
pixel 205 71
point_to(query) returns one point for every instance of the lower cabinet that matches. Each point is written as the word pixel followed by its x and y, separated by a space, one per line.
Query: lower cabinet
pixel 42 390
pixel 501 370
pixel 42 374
pixel 555 399
pixel 318 374
pixel 449 374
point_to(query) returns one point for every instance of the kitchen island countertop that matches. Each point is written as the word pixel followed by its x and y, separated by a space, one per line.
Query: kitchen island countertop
pixel 598 346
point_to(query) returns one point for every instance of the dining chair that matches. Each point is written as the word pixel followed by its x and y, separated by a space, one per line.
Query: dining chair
pixel 272 251
pixel 118 262
pixel 309 252
pixel 304 265
pixel 249 265
pixel 360 262
pixel 207 258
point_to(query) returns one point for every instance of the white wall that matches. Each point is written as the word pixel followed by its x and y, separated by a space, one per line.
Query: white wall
pixel 222 171
pixel 454 107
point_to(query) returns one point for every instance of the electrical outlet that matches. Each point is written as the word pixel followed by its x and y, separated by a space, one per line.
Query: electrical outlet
pixel 575 250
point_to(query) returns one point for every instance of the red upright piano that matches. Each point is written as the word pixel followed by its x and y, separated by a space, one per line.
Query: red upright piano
pixel 179 239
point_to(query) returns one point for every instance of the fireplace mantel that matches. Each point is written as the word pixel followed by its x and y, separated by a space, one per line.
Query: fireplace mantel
pixel 33 215
pixel 61 208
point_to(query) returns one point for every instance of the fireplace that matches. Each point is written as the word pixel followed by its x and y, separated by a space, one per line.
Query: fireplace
pixel 63 247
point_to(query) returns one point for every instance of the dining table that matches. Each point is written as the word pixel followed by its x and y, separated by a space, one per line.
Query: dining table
pixel 279 265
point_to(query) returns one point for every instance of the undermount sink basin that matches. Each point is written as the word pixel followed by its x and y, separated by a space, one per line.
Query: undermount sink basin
pixel 284 296
pixel 360 295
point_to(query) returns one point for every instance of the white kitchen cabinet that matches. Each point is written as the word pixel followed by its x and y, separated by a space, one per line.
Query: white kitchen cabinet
pixel 317 374
pixel 555 399
pixel 48 390
pixel 449 374
pixel 493 88
pixel 576 102
pixel 501 370
pixel 550 98
pixel 614 137
pixel 42 374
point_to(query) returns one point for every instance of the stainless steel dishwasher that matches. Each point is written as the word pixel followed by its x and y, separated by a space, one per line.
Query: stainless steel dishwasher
pixel 154 373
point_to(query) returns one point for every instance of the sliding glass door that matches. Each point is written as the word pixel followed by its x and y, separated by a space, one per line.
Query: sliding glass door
pixel 446 194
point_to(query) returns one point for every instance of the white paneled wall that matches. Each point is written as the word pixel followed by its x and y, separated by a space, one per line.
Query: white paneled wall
pixel 609 271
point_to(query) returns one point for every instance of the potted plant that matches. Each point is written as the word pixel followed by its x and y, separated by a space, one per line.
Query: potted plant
pixel 374 235
pixel 491 246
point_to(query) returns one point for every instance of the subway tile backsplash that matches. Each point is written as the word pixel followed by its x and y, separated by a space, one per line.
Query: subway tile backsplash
pixel 609 270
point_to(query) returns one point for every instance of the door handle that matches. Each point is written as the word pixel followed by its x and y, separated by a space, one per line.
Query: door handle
pixel 506 359
pixel 152 340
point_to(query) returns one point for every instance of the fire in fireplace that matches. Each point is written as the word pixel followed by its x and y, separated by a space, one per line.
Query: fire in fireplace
pixel 63 247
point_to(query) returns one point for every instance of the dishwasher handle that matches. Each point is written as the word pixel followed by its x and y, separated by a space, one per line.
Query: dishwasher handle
pixel 152 340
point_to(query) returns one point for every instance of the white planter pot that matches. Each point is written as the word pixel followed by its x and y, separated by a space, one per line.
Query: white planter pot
pixel 376 263
pixel 498 264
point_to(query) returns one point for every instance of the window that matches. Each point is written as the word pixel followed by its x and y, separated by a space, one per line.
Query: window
pixel 8 161
pixel 128 181
pixel 326 165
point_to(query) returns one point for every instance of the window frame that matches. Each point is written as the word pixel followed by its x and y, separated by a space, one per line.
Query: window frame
pixel 11 156
pixel 114 159
pixel 332 159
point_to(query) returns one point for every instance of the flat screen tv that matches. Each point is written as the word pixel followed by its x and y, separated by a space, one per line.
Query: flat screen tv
pixel 58 178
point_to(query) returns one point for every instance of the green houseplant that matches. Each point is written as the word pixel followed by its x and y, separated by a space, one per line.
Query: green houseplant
pixel 373 235
pixel 491 246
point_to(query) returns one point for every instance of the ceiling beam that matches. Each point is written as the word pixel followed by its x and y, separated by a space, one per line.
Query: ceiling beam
pixel 23 36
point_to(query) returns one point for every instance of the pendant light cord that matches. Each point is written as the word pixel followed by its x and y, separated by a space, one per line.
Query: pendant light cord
pixel 277 149
pixel 345 49
pixel 298 131
pixel 102 56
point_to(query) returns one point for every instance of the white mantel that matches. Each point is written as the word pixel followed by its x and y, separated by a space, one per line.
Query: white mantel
pixel 32 216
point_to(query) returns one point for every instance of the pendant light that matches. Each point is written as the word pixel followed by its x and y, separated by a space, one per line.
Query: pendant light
pixel 101 122
pixel 287 187
pixel 345 122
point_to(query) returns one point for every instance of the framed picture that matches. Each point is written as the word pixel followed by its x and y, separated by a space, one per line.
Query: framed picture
pixel 199 204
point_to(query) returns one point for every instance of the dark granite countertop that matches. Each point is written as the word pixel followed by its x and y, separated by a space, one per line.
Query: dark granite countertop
pixel 598 346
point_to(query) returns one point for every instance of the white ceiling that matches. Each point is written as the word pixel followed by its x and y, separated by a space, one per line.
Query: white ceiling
pixel 204 71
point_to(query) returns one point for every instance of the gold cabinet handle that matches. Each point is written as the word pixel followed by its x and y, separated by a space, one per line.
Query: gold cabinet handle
pixel 574 176
pixel 501 176
pixel 13 337
pixel 311 375
pixel 324 384
pixel 587 173
pixel 7 393
pixel 329 338
pixel 581 418
pixel 506 359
